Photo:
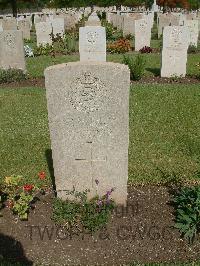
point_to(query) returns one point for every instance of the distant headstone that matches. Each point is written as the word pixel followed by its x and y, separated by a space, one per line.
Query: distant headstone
pixel 58 26
pixel 93 20
pixel 43 32
pixel 174 53
pixel 92 43
pixel 165 20
pixel 1 25
pixel 69 20
pixel 192 26
pixel 142 34
pixel 12 50
pixel 24 26
pixel 120 22
pixel 9 24
pixel 128 26
pixel 88 110
pixel 155 7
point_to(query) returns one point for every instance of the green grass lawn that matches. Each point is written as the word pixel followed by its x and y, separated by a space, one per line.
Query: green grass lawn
pixel 37 65
pixel 164 132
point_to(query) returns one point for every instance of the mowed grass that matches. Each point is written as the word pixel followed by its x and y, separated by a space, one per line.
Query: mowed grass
pixel 164 133
pixel 37 65
pixel 24 135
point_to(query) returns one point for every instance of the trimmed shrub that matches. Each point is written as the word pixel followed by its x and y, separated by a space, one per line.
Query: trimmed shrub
pixel 136 66
pixel 11 75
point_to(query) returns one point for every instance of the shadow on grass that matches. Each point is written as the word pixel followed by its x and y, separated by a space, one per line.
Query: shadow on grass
pixel 155 71
pixel 12 252
pixel 48 154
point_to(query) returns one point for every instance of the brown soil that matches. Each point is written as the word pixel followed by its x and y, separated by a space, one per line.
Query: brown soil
pixel 159 80
pixel 144 233
pixel 40 82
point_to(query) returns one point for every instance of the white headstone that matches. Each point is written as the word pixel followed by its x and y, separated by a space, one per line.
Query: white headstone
pixel 58 26
pixel 24 26
pixel 192 26
pixel 174 53
pixel 92 43
pixel 9 24
pixel 155 7
pixel 12 50
pixel 142 34
pixel 88 109
pixel 43 32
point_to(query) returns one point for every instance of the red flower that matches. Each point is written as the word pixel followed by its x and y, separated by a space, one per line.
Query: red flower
pixel 28 188
pixel 42 175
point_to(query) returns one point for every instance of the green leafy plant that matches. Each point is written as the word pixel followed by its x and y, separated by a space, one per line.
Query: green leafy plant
pixel 198 70
pixel 192 49
pixel 44 50
pixel 60 45
pixel 112 34
pixel 187 205
pixel 21 206
pixel 71 42
pixel 175 78
pixel 136 66
pixel 12 75
pixel 17 195
pixel 89 215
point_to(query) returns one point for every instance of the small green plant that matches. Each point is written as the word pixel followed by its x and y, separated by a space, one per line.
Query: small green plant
pixel 89 215
pixel 11 75
pixel 187 204
pixel 175 78
pixel 44 50
pixel 112 34
pixel 21 206
pixel 71 42
pixel 18 196
pixel 192 49
pixel 136 66
pixel 60 45
pixel 198 70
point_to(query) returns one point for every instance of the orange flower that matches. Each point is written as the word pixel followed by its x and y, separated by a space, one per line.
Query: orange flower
pixel 42 175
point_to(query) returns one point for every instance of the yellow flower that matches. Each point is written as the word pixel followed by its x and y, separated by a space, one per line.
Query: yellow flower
pixel 8 180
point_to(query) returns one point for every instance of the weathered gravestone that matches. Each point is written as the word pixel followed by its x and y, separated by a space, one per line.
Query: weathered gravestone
pixel 9 24
pixel 165 20
pixel 93 20
pixel 193 29
pixel 92 43
pixel 12 50
pixel 155 7
pixel 128 26
pixel 58 26
pixel 174 53
pixel 142 34
pixel 88 114
pixel 120 22
pixel 1 25
pixel 69 20
pixel 43 32
pixel 24 26
pixel 129 23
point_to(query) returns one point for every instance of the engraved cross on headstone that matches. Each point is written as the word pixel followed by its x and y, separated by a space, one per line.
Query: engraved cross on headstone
pixel 91 160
